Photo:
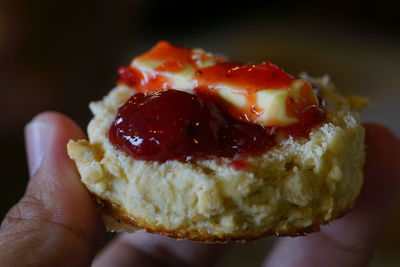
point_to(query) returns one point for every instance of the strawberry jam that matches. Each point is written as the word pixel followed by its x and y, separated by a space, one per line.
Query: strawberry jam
pixel 249 77
pixel 241 88
pixel 233 109
pixel 175 125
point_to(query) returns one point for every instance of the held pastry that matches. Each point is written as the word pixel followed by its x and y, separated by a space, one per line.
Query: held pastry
pixel 194 147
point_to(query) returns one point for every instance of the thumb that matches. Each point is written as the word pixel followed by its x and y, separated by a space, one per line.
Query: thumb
pixel 56 222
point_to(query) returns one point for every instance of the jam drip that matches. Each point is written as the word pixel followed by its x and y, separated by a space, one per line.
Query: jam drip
pixel 175 125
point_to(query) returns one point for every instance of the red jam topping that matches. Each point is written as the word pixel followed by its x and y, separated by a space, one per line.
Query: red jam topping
pixel 173 59
pixel 239 165
pixel 142 82
pixel 160 123
pixel 171 124
pixel 209 75
pixel 171 55
pixel 250 78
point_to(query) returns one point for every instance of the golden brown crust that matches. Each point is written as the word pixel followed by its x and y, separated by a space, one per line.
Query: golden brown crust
pixel 117 219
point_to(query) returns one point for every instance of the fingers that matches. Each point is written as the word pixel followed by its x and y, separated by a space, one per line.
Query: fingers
pixel 142 249
pixel 56 221
pixel 351 240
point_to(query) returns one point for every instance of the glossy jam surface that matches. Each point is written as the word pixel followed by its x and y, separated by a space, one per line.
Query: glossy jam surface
pixel 249 78
pixel 174 125
pixel 228 109
pixel 143 83
pixel 163 65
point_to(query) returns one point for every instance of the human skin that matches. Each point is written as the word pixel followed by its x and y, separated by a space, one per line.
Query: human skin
pixel 56 222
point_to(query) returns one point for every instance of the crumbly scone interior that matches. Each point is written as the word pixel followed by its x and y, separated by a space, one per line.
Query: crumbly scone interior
pixel 297 184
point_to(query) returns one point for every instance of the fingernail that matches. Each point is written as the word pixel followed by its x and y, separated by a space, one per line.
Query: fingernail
pixel 37 134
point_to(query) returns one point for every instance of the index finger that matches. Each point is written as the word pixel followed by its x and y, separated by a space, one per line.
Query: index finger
pixel 56 222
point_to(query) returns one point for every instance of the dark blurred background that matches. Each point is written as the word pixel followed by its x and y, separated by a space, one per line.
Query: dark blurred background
pixel 60 55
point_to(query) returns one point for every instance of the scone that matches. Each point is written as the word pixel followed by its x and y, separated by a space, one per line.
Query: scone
pixel 193 147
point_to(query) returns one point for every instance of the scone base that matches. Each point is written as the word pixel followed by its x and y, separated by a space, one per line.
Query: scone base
pixel 290 190
pixel 116 219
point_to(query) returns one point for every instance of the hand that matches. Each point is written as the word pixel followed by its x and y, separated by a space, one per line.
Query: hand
pixel 56 222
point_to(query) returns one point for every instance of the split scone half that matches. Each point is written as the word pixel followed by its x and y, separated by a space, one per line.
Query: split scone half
pixel 291 188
